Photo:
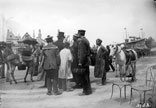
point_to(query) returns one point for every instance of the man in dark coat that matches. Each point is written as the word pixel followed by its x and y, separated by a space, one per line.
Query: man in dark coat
pixel 2 69
pixel 110 59
pixel 101 65
pixel 74 51
pixel 50 66
pixel 59 42
pixel 84 62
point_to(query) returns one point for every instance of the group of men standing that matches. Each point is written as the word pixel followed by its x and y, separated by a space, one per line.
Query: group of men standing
pixel 60 59
pixel 55 63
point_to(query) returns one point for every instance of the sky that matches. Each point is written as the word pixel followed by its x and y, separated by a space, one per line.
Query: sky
pixel 105 19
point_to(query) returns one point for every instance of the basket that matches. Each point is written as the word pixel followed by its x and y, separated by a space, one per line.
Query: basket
pixel 22 67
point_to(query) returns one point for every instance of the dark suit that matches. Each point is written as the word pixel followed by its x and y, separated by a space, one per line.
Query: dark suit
pixel 50 66
pixel 59 44
pixel 83 57
pixel 74 51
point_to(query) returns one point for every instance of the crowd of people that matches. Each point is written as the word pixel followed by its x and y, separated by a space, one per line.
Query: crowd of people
pixel 60 63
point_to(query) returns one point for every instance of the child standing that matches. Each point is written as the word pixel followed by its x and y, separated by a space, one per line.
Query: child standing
pixel 65 73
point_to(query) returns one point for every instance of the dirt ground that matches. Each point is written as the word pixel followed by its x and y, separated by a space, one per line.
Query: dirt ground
pixel 30 95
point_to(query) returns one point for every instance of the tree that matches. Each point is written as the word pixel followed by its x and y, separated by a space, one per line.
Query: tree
pixel 150 42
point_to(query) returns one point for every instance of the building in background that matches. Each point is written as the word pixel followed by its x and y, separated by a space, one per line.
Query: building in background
pixel 39 38
pixel 12 38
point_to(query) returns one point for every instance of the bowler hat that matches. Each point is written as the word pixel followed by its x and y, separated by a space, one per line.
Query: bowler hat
pixel 81 32
pixel 49 38
pixel 60 34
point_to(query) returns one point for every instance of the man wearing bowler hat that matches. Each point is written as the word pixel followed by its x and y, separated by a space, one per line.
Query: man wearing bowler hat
pixel 50 66
pixel 59 42
pixel 84 62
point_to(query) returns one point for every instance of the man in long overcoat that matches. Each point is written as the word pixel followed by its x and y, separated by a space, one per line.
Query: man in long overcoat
pixel 101 64
pixel 50 66
pixel 84 62
pixel 74 51
pixel 59 42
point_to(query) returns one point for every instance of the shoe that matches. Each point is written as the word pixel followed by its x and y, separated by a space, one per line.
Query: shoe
pixel 77 86
pixel 49 93
pixel 103 83
pixel 57 93
pixel 68 90
pixel 130 75
pixel 43 86
pixel 82 94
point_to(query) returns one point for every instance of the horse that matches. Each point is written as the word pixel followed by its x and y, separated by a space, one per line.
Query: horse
pixel 124 58
pixel 13 60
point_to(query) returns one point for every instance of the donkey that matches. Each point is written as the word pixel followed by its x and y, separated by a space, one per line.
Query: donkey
pixel 13 60
pixel 124 58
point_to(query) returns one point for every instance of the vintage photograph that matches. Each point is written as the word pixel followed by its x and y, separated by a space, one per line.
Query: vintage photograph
pixel 77 53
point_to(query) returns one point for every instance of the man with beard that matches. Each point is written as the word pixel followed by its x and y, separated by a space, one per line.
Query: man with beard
pixel 84 62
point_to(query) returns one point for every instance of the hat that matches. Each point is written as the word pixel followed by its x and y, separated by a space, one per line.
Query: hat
pixel 49 38
pixel 76 35
pixel 81 32
pixel 60 34
pixel 99 40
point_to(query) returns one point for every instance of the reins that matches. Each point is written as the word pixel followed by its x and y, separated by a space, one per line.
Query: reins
pixel 116 50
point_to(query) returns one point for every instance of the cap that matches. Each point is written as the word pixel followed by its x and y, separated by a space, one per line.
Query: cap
pixel 81 32
pixel 61 34
pixel 49 38
pixel 99 40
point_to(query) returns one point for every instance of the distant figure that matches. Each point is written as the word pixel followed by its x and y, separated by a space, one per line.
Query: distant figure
pixel 50 66
pixel 110 59
pixel 65 73
pixel 2 65
pixel 84 62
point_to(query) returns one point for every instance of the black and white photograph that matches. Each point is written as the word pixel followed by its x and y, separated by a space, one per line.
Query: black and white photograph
pixel 77 53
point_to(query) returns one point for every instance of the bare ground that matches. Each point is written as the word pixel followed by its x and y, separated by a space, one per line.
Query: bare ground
pixel 30 95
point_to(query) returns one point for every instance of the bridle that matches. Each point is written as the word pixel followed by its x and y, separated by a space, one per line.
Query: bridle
pixel 117 49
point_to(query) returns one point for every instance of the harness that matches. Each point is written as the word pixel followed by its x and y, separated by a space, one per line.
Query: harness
pixel 130 56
